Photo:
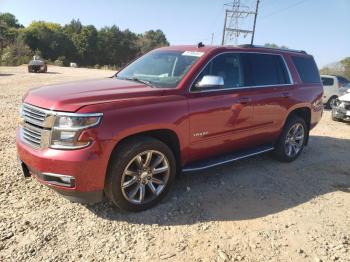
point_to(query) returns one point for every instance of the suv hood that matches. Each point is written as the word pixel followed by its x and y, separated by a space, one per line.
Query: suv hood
pixel 345 98
pixel 70 97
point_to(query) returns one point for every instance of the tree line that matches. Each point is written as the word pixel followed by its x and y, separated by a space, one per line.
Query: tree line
pixel 73 42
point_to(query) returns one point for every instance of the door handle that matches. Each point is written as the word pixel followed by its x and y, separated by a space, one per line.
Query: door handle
pixel 286 94
pixel 244 100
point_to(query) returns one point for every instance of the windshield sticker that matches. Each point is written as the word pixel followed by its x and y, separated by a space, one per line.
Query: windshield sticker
pixel 192 53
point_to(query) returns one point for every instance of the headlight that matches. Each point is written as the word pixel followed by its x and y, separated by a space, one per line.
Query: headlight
pixel 341 105
pixel 68 127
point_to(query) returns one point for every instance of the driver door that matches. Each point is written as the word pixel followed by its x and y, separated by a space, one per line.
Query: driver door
pixel 220 116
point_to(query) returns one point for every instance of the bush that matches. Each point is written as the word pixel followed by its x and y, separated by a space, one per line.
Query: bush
pixel 60 61
pixel 16 54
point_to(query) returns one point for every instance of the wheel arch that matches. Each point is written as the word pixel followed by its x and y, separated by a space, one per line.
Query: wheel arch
pixel 305 113
pixel 167 136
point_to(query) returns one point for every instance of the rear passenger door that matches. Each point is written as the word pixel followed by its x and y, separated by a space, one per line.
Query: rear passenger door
pixel 268 75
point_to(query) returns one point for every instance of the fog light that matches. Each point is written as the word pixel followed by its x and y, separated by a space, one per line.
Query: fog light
pixel 59 180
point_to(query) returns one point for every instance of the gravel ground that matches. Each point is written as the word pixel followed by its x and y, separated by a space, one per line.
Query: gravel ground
pixel 256 209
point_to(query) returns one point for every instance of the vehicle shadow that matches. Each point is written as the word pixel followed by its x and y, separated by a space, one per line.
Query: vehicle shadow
pixel 53 73
pixel 6 74
pixel 247 189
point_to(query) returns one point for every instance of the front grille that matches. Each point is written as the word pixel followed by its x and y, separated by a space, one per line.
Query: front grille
pixel 32 134
pixel 347 106
pixel 36 122
pixel 33 115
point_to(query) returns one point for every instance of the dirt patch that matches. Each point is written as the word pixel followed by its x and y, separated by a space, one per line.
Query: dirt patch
pixel 256 209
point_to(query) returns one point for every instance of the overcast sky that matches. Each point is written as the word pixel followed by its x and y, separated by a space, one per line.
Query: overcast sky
pixel 321 27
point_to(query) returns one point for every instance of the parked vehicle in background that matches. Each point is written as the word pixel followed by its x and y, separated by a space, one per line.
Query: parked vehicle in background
pixel 331 87
pixel 37 65
pixel 344 90
pixel 176 109
pixel 341 112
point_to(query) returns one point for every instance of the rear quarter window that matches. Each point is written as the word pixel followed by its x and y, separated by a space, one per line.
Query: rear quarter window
pixel 307 69
pixel 327 81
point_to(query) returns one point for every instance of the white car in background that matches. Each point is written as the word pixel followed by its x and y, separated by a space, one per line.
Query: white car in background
pixel 341 112
pixel 331 86
pixel 344 90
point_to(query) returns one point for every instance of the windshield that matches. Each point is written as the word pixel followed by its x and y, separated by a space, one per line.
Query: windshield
pixel 160 68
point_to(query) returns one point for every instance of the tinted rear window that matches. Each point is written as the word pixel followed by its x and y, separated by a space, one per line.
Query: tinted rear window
pixel 327 81
pixel 342 80
pixel 264 69
pixel 307 69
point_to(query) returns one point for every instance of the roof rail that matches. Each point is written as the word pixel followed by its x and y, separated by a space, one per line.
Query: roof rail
pixel 272 48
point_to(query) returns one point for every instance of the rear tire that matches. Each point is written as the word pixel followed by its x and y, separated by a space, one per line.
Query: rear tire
pixel 141 173
pixel 292 140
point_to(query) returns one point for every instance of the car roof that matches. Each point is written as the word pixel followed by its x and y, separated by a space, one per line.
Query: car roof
pixel 250 48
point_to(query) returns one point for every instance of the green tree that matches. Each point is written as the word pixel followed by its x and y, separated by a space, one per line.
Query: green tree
pixel 8 29
pixel 346 65
pixel 75 42
pixel 85 42
pixel 49 39
pixel 272 45
pixel 109 50
pixel 16 54
pixel 10 20
pixel 152 39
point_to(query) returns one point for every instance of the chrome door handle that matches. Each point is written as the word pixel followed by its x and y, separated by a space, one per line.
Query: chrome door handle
pixel 286 94
pixel 244 100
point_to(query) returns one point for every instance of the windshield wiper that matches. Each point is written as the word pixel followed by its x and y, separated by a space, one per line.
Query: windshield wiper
pixel 135 79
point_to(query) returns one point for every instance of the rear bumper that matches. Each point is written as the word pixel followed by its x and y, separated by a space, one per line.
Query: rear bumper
pixel 78 175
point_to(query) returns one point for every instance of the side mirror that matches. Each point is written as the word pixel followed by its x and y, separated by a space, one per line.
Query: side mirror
pixel 210 81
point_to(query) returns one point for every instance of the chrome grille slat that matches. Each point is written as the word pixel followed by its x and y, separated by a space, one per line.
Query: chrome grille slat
pixel 31 141
pixel 37 138
pixel 33 115
pixel 34 132
pixel 32 109
pixel 41 119
pixel 33 127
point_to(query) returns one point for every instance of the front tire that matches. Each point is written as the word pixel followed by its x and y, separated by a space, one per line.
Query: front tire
pixel 141 173
pixel 332 102
pixel 292 140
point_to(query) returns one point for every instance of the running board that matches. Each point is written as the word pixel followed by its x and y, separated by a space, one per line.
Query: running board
pixel 200 165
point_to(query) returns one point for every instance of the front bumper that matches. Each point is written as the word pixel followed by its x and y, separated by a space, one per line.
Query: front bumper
pixel 341 113
pixel 78 175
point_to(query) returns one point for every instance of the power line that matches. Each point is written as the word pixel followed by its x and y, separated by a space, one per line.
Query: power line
pixel 285 8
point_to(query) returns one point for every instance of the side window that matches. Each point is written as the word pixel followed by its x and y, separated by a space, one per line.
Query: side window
pixel 228 66
pixel 327 81
pixel 264 69
pixel 342 80
pixel 307 69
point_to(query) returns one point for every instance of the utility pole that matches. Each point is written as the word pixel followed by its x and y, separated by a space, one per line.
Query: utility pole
pixel 212 38
pixel 255 16
pixel 235 15
pixel 223 32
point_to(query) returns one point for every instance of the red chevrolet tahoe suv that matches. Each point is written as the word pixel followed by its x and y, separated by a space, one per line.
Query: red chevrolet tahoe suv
pixel 175 109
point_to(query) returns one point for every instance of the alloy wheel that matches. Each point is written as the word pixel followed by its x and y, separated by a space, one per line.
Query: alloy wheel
pixel 145 177
pixel 333 103
pixel 294 140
